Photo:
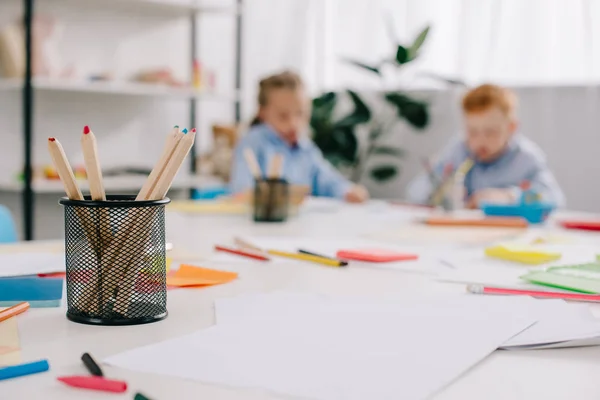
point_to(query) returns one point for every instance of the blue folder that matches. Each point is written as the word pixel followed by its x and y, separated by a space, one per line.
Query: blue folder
pixel 39 292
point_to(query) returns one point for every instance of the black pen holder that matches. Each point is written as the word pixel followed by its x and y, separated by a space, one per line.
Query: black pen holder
pixel 271 200
pixel 115 260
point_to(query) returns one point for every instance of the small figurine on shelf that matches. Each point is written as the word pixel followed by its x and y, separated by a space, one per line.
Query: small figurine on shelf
pixel 197 75
pixel 218 161
pixel 50 172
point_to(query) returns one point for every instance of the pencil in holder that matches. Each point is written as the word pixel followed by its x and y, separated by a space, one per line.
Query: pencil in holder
pixel 115 260
pixel 271 200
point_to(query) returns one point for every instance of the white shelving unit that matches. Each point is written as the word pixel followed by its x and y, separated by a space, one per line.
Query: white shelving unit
pixel 117 184
pixel 124 88
pixel 180 10
pixel 159 6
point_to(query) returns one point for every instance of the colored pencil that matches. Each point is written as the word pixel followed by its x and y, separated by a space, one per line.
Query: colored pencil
pixel 275 166
pixel 246 245
pixel 161 188
pixel 92 164
pixel 164 181
pixel 310 253
pixel 306 257
pixel 243 253
pixel 480 289
pixel 65 172
pixel 14 310
pixel 171 143
pixel 252 163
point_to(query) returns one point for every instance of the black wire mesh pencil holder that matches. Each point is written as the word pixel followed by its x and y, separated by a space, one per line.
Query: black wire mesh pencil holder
pixel 271 200
pixel 115 260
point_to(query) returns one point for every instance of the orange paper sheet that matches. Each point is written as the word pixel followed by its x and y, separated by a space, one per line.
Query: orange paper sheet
pixel 190 276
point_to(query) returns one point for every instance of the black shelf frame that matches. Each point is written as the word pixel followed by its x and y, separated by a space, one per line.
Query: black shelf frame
pixel 28 194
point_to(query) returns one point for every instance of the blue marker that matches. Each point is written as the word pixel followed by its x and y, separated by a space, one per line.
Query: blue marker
pixel 14 371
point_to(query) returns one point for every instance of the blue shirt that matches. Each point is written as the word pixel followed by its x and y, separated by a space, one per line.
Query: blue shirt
pixel 303 163
pixel 522 161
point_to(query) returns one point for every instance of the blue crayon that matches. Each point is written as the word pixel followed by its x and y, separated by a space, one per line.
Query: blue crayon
pixel 14 371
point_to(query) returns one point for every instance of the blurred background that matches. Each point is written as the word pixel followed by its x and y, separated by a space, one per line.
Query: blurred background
pixel 131 69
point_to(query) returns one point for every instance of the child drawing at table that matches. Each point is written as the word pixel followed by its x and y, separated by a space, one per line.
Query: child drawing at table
pixel 502 158
pixel 281 127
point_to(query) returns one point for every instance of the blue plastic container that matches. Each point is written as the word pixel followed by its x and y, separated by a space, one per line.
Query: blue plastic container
pixel 534 213
pixel 210 194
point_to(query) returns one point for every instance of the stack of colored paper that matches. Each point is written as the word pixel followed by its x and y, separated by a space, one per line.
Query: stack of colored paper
pixel 36 291
pixel 190 276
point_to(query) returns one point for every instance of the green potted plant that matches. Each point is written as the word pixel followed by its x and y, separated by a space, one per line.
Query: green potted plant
pixel 337 137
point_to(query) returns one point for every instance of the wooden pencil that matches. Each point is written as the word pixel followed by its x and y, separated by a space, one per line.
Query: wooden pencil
pixel 92 164
pixel 275 167
pixel 164 181
pixel 173 139
pixel 161 187
pixel 65 172
pixel 124 236
pixel 59 159
pixel 252 163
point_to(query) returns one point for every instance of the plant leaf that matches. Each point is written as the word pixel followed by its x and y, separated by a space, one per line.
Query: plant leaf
pixel 362 65
pixel 419 40
pixel 323 106
pixel 361 113
pixel 389 151
pixel 402 55
pixel 384 172
pixel 414 111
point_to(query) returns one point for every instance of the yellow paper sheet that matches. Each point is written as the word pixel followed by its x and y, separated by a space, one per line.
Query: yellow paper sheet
pixel 188 275
pixel 209 207
pixel 10 346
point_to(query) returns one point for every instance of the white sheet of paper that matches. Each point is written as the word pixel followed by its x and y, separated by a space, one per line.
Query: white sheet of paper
pixel 353 350
pixel 20 264
pixel 423 234
pixel 427 263
pixel 558 321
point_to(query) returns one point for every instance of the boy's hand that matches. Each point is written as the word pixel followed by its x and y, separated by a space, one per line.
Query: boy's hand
pixel 357 194
pixel 498 196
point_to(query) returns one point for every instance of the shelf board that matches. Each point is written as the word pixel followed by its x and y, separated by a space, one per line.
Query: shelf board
pixel 158 7
pixel 116 88
pixel 131 183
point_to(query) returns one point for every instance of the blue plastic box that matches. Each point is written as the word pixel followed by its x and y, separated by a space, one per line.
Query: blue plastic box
pixel 535 213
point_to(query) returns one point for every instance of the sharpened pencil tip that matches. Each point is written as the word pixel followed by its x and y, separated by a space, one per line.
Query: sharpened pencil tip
pixel 86 130
pixel 176 127
pixel 184 131
pixel 52 139
pixel 194 130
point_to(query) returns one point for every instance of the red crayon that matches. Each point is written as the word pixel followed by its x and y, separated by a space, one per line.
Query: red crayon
pixel 94 383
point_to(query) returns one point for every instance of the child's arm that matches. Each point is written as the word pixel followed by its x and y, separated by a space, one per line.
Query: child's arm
pixel 544 183
pixel 420 189
pixel 329 182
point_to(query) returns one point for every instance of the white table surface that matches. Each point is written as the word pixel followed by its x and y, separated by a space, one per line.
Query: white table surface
pixel 46 333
